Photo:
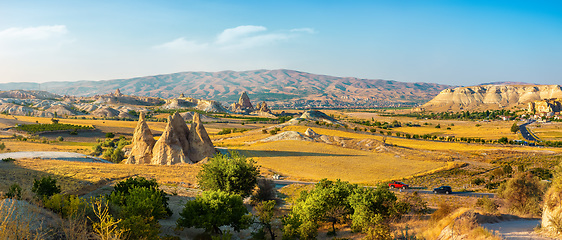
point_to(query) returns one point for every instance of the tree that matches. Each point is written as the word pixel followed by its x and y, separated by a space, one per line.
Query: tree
pixel 265 211
pixel 109 135
pixel 45 187
pixel 213 209
pixel 371 208
pixel 327 201
pixel 141 209
pixel 235 174
pixel 514 128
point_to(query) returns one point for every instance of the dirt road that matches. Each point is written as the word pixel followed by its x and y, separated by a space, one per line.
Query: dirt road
pixel 521 229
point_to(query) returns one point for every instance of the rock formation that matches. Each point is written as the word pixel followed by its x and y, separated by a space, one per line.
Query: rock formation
pixel 545 106
pixel 244 101
pixel 479 98
pixel 182 131
pixel 168 149
pixel 143 142
pixel 201 146
pixel 310 133
pixel 243 105
pixel 178 144
pixel 262 107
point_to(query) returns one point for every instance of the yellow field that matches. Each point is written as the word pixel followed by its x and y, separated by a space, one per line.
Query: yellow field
pixel 314 161
pixel 487 130
pixel 551 131
pixel 83 177
pixel 416 144
pixel 18 146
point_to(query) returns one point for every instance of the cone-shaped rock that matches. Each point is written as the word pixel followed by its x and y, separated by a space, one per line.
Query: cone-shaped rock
pixel 244 101
pixel 168 149
pixel 143 142
pixel 309 132
pixel 200 144
pixel 182 131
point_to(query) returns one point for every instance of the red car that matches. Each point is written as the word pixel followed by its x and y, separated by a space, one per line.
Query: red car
pixel 396 184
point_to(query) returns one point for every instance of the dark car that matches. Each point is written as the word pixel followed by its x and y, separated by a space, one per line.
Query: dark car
pixel 396 184
pixel 443 189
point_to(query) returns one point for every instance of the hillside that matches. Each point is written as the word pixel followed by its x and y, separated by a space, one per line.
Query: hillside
pixel 280 87
pixel 490 97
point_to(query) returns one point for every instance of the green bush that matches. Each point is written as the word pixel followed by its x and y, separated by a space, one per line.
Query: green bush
pixel 235 174
pixel 2 146
pixel 140 210
pixel 60 138
pixel 122 189
pixel 45 187
pixel 14 192
pixel 68 206
pixel 109 135
pixel 208 211
pixel 97 149
pixel 8 159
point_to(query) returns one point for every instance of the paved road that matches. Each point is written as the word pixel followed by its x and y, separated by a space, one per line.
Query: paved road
pixel 282 183
pixel 525 132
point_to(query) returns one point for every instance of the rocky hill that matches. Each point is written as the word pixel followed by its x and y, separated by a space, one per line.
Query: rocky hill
pixel 488 97
pixel 278 87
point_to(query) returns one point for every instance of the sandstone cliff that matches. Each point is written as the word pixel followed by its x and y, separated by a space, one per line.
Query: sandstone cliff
pixel 478 98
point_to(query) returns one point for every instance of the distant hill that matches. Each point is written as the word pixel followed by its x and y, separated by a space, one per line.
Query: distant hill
pixel 488 97
pixel 278 87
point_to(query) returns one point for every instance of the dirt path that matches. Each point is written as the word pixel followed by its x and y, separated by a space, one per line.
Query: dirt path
pixel 521 229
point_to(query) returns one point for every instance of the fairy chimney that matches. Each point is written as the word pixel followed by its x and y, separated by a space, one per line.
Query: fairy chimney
pixel 244 101
pixel 200 144
pixel 168 149
pixel 181 131
pixel 143 142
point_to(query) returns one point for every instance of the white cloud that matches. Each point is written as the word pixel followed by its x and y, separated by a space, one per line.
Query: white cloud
pixel 304 30
pixel 181 44
pixel 237 33
pixel 237 38
pixel 33 39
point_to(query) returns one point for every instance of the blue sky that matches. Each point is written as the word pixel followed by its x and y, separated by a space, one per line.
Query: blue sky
pixel 440 41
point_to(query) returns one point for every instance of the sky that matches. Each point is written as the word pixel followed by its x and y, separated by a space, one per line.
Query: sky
pixel 439 41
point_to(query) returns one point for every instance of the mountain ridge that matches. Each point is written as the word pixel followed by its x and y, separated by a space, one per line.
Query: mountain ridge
pixel 281 87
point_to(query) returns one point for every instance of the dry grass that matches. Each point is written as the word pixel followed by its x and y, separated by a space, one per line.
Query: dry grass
pixel 83 177
pixel 314 161
pixel 458 223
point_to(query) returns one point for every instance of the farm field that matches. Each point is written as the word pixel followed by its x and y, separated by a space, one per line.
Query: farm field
pixel 492 130
pixel 312 161
pixel 551 131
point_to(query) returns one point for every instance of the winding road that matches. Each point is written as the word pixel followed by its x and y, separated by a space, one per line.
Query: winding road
pixel 525 132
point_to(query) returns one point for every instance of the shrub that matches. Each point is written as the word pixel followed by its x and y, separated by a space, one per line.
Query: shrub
pixel 14 192
pixel 97 150
pixel 478 181
pixel 523 194
pixel 109 135
pixel 235 174
pixel 2 146
pixel 67 206
pixel 443 210
pixel 265 212
pixel 140 211
pixel 60 138
pixel 208 211
pixel 489 205
pixel 124 187
pixel 45 187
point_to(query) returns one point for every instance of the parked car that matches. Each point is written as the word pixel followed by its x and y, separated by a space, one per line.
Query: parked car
pixel 443 189
pixel 396 184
